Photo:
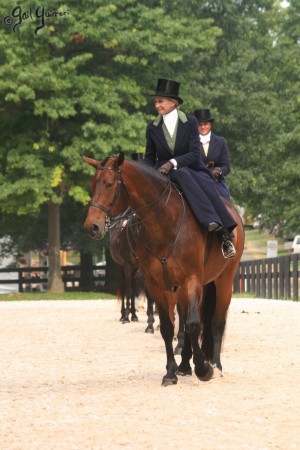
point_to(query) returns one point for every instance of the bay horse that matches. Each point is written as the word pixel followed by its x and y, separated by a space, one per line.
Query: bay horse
pixel 181 262
pixel 130 280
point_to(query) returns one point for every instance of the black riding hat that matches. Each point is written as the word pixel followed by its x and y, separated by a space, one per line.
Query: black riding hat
pixel 168 88
pixel 203 115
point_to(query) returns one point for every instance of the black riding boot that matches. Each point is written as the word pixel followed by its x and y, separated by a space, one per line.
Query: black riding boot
pixel 227 246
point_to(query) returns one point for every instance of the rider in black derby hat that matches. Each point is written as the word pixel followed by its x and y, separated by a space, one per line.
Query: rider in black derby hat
pixel 168 88
pixel 215 155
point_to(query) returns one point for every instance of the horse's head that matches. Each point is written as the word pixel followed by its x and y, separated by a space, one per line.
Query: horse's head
pixel 109 196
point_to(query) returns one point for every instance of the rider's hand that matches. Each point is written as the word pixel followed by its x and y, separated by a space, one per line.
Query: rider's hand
pixel 165 168
pixel 210 165
pixel 216 173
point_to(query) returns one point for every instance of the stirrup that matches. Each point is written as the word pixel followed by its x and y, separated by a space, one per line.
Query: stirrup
pixel 230 254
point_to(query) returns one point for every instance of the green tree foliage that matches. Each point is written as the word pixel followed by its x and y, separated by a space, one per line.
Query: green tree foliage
pixel 79 83
pixel 253 80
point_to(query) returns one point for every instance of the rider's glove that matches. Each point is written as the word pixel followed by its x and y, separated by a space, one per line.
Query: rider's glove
pixel 165 168
pixel 216 173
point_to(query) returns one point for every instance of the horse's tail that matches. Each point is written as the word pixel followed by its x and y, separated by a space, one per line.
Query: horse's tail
pixel 207 312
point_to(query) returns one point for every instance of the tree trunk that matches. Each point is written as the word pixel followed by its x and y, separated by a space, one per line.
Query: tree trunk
pixel 86 272
pixel 55 283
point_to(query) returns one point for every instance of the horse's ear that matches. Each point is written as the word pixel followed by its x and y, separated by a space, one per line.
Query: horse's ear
pixel 121 158
pixel 90 161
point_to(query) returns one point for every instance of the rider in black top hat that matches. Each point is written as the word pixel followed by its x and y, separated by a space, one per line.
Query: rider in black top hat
pixel 173 146
pixel 214 152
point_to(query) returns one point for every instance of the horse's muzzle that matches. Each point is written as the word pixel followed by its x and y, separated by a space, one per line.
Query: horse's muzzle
pixel 94 230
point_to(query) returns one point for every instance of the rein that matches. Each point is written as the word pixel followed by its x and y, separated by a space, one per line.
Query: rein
pixel 110 221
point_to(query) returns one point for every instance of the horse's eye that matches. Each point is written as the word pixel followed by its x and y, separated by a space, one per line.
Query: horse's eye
pixel 109 185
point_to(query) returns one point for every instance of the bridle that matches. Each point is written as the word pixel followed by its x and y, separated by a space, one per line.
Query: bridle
pixel 109 220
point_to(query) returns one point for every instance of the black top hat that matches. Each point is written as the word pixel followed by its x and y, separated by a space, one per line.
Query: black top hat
pixel 168 88
pixel 203 115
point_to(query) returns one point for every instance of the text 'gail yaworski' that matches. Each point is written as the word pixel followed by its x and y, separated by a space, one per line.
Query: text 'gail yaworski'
pixel 39 15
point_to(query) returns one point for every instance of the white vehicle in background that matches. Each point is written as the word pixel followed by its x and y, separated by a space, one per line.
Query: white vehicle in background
pixel 296 244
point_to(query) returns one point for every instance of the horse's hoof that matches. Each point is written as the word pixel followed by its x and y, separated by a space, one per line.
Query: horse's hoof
pixel 125 321
pixel 184 373
pixel 169 381
pixel 134 319
pixel 209 374
pixel 149 330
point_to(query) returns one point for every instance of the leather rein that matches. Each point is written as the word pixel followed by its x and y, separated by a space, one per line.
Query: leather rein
pixel 110 221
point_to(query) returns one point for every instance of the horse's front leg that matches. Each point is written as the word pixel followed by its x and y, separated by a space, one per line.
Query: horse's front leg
pixel 167 332
pixel 128 292
pixel 126 311
pixel 184 367
pixel 122 308
pixel 203 369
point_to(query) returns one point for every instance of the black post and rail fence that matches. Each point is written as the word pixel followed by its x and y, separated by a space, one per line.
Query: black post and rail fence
pixel 36 278
pixel 270 278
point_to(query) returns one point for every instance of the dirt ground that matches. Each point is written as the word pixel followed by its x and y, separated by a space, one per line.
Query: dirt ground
pixel 74 377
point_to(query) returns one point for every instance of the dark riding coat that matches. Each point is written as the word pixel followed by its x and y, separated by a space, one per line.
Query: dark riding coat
pixel 218 153
pixel 191 175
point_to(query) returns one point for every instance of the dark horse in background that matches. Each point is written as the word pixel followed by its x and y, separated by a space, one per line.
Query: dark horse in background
pixel 130 279
pixel 181 262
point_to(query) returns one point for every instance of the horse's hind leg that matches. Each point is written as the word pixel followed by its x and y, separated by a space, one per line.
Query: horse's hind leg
pixel 203 369
pixel 219 324
pixel 167 332
pixel 223 299
pixel 208 308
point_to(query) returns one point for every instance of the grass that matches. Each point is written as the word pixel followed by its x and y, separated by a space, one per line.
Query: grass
pixel 243 295
pixel 258 237
pixel 16 296
pixel 259 240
